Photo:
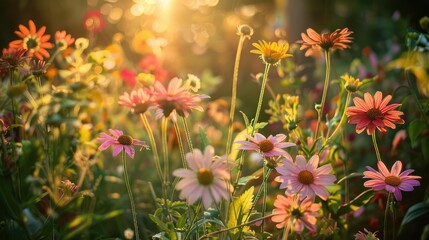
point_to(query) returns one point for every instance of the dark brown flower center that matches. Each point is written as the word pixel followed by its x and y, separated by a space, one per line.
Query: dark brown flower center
pixel 392 181
pixel 205 176
pixel 296 213
pixel 326 43
pixel 141 108
pixel 266 145
pixel 374 114
pixel 125 140
pixel 305 177
pixel 31 43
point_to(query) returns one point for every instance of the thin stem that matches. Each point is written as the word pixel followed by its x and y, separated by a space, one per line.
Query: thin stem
pixel 188 135
pixel 261 97
pixel 166 183
pixel 342 120
pixel 264 200
pixel 325 91
pixel 153 145
pixel 287 230
pixel 386 213
pixel 130 195
pixel 234 92
pixel 181 148
pixel 374 141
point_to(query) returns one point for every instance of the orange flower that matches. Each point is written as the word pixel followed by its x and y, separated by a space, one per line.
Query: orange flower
pixel 374 113
pixel 35 42
pixel 63 40
pixel 311 41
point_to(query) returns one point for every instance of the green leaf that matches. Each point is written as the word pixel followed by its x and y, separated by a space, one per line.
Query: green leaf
pixel 246 119
pixel 244 180
pixel 415 128
pixel 415 211
pixel 158 222
pixel 239 210
pixel 204 139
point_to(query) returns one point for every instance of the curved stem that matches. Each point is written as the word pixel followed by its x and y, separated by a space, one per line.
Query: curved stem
pixel 374 141
pixel 130 195
pixel 234 93
pixel 153 145
pixel 261 97
pixel 325 91
pixel 342 120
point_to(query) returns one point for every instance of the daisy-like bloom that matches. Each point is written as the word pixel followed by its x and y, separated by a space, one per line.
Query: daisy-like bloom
pixel 13 58
pixel 312 41
pixel 373 113
pixel 299 214
pixel 38 67
pixel 175 100
pixel 351 84
pixel 33 40
pixel 138 100
pixel 393 181
pixel 192 82
pixel 120 142
pixel 207 178
pixel 267 147
pixel 305 178
pixel 63 40
pixel 271 53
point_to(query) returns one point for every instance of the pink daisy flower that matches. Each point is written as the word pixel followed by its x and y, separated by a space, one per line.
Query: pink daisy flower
pixel 175 100
pixel 207 179
pixel 267 147
pixel 120 142
pixel 299 214
pixel 374 113
pixel 393 181
pixel 305 178
pixel 138 100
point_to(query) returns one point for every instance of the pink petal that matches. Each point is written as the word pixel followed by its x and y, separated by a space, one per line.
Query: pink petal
pixel 117 148
pixel 396 168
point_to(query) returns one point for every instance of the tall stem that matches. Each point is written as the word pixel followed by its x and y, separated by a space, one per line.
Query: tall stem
pixel 287 230
pixel 261 96
pixel 130 195
pixel 153 145
pixel 166 183
pixel 386 213
pixel 342 120
pixel 234 92
pixel 181 148
pixel 264 195
pixel 325 91
pixel 188 135
pixel 374 141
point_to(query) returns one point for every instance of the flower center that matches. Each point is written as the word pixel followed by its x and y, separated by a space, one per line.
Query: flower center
pixel 392 181
pixel 125 140
pixel 374 114
pixel 205 176
pixel 266 145
pixel 31 43
pixel 140 108
pixel 326 43
pixel 305 177
pixel 296 213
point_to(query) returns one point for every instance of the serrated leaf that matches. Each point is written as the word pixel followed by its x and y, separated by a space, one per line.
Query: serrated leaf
pixel 415 128
pixel 239 210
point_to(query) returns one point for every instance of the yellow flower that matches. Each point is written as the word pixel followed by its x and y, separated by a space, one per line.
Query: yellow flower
pixel 271 53
pixel 140 42
pixel 352 84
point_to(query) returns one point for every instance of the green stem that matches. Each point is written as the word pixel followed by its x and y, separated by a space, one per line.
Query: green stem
pixel 166 182
pixel 130 195
pixel 374 141
pixel 325 91
pixel 261 97
pixel 342 120
pixel 264 200
pixel 181 148
pixel 234 92
pixel 188 135
pixel 154 148
pixel 386 213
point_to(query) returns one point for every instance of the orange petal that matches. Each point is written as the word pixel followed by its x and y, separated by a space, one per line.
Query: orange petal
pixel 32 27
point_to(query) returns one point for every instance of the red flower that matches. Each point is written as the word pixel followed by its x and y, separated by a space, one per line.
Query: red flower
pixel 93 21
